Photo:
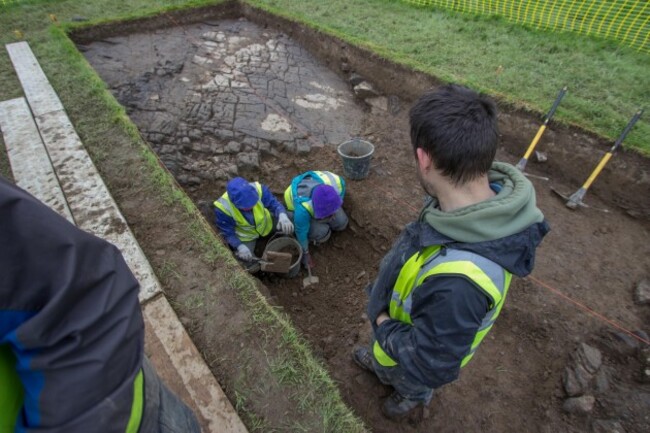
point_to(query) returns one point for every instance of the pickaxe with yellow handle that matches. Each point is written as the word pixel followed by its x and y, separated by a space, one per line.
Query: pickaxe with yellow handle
pixel 575 199
pixel 521 165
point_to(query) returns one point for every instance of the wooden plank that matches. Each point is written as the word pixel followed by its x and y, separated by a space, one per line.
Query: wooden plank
pixel 273 261
pixel 30 163
pixel 40 94
pixel 215 413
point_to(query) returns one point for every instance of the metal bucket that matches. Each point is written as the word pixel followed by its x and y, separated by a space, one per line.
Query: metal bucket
pixel 287 244
pixel 356 154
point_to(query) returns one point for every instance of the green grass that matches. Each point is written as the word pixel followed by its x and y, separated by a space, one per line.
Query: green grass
pixel 525 68
pixel 5 168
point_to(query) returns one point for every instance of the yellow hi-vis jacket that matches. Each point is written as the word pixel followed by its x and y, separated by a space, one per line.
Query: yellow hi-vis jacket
pixel 245 231
pixel 489 276
pixel 325 177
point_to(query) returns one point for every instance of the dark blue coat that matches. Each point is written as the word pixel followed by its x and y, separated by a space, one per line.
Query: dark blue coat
pixel 69 311
pixel 447 310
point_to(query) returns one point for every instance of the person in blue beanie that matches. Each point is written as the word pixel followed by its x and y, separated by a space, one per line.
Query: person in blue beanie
pixel 316 197
pixel 246 212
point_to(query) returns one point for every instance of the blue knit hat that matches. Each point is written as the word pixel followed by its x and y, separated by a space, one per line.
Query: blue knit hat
pixel 241 193
pixel 325 200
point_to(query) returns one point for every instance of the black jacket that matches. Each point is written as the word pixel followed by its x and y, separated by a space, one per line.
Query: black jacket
pixel 447 310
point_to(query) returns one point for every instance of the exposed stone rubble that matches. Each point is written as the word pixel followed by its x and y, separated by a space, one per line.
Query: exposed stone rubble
pixel 364 90
pixel 578 375
pixel 237 95
pixel 609 387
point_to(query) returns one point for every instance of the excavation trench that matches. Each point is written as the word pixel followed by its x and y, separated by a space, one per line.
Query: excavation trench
pixel 219 95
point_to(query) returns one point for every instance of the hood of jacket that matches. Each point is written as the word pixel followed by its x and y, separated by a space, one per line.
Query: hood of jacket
pixel 506 228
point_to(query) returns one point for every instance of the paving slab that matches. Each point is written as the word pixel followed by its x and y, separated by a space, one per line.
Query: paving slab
pixel 181 366
pixel 91 204
pixel 28 158
pixel 41 96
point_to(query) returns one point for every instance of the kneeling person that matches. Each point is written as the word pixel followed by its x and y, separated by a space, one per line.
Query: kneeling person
pixel 316 198
pixel 246 212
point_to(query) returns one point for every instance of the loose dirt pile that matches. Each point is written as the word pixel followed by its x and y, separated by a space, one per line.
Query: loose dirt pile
pixel 225 98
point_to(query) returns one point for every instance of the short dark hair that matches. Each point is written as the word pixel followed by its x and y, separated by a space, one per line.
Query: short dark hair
pixel 458 128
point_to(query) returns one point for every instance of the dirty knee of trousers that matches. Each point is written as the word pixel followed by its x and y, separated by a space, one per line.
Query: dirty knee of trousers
pixel 322 239
pixel 339 221
pixel 319 232
pixel 396 377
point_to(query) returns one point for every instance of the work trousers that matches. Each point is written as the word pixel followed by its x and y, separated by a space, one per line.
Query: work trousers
pixel 320 230
pixel 396 377
pixel 163 411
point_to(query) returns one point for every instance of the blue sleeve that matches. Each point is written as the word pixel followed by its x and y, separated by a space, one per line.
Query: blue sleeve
pixel 343 187
pixel 447 312
pixel 271 203
pixel 226 226
pixel 302 224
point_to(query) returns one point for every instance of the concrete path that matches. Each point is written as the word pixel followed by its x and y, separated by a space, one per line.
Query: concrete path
pixel 48 160
pixel 29 161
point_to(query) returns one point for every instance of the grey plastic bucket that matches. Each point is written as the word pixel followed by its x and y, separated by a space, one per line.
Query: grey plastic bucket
pixel 287 244
pixel 356 155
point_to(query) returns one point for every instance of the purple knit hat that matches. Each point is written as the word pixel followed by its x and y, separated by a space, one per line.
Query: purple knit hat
pixel 325 200
pixel 241 193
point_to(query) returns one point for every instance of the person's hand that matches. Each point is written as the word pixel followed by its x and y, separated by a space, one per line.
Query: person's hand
pixel 307 261
pixel 383 316
pixel 284 224
pixel 244 253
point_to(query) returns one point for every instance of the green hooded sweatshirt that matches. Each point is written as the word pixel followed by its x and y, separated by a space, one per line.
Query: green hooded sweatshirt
pixel 510 211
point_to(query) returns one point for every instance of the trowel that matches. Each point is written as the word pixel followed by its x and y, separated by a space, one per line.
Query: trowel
pixel 310 279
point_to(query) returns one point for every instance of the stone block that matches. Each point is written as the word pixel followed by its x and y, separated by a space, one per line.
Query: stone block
pixel 642 292
pixel 233 147
pixel 379 103
pixel 264 147
pixel 247 161
pixel 590 357
pixel 575 381
pixel 303 147
pixel 365 90
pixel 579 405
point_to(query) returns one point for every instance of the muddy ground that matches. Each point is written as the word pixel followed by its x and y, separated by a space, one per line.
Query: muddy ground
pixel 227 97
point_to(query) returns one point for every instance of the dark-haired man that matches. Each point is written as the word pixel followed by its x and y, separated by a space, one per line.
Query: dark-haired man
pixel 444 282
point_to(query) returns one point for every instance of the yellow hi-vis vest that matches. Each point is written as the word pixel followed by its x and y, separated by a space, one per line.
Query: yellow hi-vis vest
pixel 245 231
pixel 326 177
pixel 489 276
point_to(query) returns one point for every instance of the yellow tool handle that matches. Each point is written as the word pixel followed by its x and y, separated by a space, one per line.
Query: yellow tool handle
pixel 535 140
pixel 597 170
